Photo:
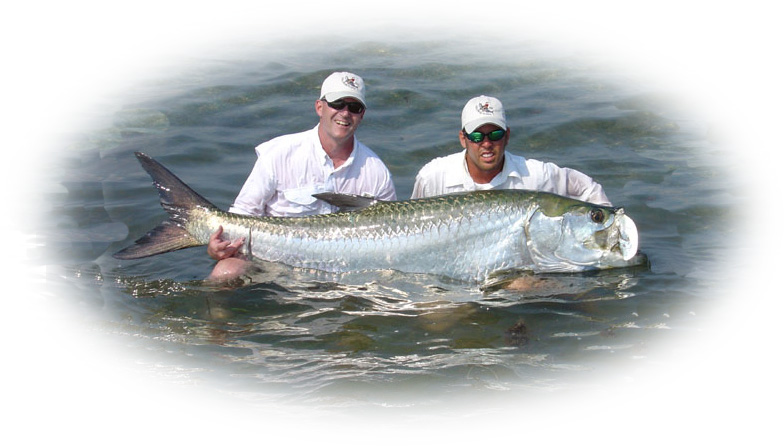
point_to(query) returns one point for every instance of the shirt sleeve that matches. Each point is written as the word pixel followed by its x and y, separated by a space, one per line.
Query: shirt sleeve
pixel 387 190
pixel 424 184
pixel 586 188
pixel 576 184
pixel 374 176
pixel 419 187
pixel 431 179
pixel 257 190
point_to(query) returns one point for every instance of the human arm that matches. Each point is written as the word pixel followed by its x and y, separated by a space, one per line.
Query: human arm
pixel 251 200
pixel 366 176
pixel 586 188
pixel 386 191
pixel 258 189
pixel 431 178
pixel 419 188
pixel 575 184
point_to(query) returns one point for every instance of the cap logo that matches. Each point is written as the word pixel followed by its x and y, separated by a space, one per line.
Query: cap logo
pixel 350 82
pixel 485 108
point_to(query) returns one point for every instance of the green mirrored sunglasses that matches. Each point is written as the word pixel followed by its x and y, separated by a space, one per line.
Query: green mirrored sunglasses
pixel 478 137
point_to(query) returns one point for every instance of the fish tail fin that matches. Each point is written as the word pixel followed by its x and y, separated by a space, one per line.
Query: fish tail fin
pixel 178 200
pixel 165 237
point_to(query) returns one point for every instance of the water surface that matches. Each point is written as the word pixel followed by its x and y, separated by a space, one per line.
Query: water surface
pixel 389 340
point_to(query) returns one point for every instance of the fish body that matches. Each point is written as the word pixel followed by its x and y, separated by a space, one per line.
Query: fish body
pixel 469 236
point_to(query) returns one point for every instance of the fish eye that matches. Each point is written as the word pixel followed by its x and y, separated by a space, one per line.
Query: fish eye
pixel 597 215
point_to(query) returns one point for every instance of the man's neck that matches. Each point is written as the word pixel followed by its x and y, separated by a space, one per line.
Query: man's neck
pixel 338 152
pixel 484 176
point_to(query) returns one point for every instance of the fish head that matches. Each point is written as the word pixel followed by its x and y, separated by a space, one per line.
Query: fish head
pixel 580 236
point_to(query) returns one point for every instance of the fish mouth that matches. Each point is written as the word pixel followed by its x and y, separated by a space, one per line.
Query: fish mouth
pixel 628 238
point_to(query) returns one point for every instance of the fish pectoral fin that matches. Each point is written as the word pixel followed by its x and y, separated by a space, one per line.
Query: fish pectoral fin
pixel 166 237
pixel 346 202
pixel 502 279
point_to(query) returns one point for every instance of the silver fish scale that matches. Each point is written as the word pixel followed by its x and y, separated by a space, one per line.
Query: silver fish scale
pixel 461 236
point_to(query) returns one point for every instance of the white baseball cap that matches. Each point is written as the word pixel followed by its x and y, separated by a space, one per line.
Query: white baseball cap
pixel 483 110
pixel 343 85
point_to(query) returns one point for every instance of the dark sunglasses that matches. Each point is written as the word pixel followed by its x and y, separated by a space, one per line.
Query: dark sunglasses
pixel 340 104
pixel 478 137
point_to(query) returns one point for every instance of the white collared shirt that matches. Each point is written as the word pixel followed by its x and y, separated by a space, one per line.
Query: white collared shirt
pixel 291 168
pixel 449 174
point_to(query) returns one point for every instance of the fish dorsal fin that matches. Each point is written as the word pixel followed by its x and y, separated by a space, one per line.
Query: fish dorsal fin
pixel 346 202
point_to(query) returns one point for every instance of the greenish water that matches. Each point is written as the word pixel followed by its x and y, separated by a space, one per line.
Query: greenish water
pixel 393 340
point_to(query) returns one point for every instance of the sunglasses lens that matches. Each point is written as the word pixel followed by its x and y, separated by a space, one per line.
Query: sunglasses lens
pixel 495 135
pixel 355 107
pixel 478 137
pixel 340 104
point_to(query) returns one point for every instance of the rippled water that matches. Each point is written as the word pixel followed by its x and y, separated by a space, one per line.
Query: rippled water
pixel 387 340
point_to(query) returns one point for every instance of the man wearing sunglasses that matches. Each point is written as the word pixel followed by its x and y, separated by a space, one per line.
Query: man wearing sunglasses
pixel 484 164
pixel 290 169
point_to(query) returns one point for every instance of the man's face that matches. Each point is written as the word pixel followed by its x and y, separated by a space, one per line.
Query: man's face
pixel 339 124
pixel 485 158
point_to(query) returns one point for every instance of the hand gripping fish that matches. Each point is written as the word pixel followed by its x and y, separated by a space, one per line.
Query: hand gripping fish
pixel 468 236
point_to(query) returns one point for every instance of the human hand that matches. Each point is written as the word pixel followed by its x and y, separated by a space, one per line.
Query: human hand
pixel 220 249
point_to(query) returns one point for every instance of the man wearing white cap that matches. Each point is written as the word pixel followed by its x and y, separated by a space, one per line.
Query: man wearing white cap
pixel 290 169
pixel 483 164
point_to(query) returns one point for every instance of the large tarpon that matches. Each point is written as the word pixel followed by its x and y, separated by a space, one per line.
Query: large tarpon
pixel 470 236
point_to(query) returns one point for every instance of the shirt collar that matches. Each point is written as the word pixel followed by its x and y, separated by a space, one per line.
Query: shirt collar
pixel 458 175
pixel 513 167
pixel 322 155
